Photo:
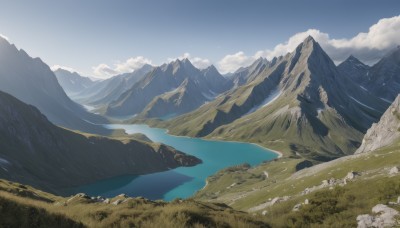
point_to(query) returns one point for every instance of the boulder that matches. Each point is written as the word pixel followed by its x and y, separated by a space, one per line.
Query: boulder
pixel 297 207
pixel 394 170
pixel 117 202
pixel 385 217
pixel 264 212
pixel 351 175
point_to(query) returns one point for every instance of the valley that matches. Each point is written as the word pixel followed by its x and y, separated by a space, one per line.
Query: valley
pixel 125 128
pixel 181 182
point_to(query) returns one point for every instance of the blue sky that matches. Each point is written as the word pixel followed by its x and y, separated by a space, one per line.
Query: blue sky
pixel 85 35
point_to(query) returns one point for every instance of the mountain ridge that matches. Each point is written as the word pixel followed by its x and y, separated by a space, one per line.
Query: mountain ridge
pixel 36 152
pixel 32 81
pixel 319 113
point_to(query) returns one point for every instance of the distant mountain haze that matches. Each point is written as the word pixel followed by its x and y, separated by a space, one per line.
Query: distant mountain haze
pixel 172 88
pixel 101 93
pixel 72 82
pixel 32 81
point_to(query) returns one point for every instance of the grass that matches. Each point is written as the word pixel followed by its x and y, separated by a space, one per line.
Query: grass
pixel 282 182
pixel 228 194
pixel 42 209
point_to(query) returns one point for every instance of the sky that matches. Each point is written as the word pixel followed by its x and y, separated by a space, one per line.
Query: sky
pixel 104 38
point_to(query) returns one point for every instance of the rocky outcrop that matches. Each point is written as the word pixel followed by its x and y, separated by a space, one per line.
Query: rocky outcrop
pixel 383 216
pixel 385 132
pixel 269 203
pixel 332 182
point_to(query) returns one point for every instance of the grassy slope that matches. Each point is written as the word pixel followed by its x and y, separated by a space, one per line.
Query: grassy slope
pixel 135 212
pixel 357 197
pixel 337 207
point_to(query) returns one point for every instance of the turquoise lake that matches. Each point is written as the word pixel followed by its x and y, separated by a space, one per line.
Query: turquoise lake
pixel 181 182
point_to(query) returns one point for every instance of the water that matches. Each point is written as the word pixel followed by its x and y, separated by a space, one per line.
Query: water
pixel 181 182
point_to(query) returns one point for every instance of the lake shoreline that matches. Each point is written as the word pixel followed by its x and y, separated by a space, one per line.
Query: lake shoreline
pixel 280 154
pixel 230 153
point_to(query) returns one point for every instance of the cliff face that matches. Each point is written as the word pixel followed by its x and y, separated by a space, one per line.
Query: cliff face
pixel 385 132
pixel 36 152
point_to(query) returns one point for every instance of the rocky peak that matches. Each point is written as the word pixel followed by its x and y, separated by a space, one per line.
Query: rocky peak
pixel 385 132
pixel 354 61
pixel 211 70
pixel 185 65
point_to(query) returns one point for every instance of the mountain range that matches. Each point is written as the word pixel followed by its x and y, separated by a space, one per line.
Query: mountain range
pixel 72 82
pixel 170 90
pixel 102 92
pixel 382 79
pixel 299 102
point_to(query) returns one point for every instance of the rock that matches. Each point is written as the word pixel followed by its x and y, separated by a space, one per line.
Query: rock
pixel 79 195
pixel 328 183
pixel 364 221
pixel 107 201
pixel 117 202
pixel 383 133
pixel 351 175
pixel 264 212
pixel 123 195
pixel 82 195
pixel 398 200
pixel 297 207
pixel 268 203
pixel 279 199
pixel 306 191
pixel 306 202
pixel 394 170
pixel 385 217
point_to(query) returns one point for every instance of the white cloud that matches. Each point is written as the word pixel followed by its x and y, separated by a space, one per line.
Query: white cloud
pixel 231 63
pixel 369 47
pixel 196 61
pixel 105 71
pixel 4 37
pixel 292 43
pixel 132 64
pixel 56 67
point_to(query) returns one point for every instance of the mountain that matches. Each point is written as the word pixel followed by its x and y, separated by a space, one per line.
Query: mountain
pixel 170 89
pixel 72 82
pixel 103 92
pixel 354 69
pixel 36 152
pixel 300 103
pixel 385 132
pixel 384 77
pixel 33 82
pixel 245 74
